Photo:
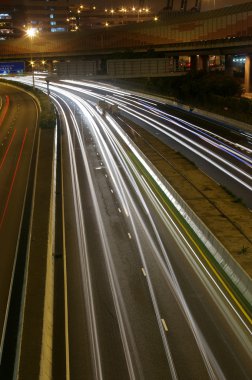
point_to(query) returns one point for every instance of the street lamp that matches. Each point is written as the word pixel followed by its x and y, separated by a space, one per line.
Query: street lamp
pixel 31 33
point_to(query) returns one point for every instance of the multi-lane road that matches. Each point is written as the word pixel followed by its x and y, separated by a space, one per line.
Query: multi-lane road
pixel 224 152
pixel 17 133
pixel 149 310
pixel 143 301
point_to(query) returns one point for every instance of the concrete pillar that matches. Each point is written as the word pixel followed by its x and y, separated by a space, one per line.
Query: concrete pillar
pixel 194 62
pixel 203 63
pixel 49 66
pixel 229 65
pixel 248 73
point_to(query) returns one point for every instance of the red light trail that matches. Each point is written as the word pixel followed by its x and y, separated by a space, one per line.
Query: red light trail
pixel 13 178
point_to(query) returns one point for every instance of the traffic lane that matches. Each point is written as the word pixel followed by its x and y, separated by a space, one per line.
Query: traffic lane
pixel 201 132
pixel 139 318
pixel 225 153
pixel 79 339
pixel 135 292
pixel 228 344
pixel 188 365
pixel 235 187
pixel 239 168
pixel 217 174
pixel 235 134
pixel 195 130
pixel 13 180
pixel 177 255
pixel 229 151
pixel 79 347
pixel 112 353
pixel 240 190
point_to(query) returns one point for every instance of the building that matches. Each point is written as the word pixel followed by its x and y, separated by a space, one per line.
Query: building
pixel 81 17
pixel 6 25
pixel 45 15
pixel 65 15
pixel 42 15
pixel 6 20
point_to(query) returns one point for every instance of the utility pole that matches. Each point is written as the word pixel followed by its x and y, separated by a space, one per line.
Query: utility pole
pixel 183 6
pixel 169 5
pixel 197 6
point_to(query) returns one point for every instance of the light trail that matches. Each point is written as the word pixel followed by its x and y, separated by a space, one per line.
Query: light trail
pixel 183 140
pixel 195 329
pixel 118 300
pixel 13 179
pixel 108 138
pixel 125 104
pixel 206 136
pixel 5 109
pixel 84 258
pixel 150 107
pixel 153 175
pixel 193 146
pixel 7 149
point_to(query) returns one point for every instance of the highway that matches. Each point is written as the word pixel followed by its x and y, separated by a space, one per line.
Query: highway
pixel 16 139
pixel 137 281
pixel 143 302
pixel 224 153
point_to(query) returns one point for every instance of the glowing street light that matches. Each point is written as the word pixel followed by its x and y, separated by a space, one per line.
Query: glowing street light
pixel 31 32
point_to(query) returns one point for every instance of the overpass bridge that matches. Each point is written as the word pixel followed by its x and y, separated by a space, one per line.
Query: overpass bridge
pixel 224 32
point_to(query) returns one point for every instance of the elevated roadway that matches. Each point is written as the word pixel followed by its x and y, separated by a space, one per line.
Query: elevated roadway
pixel 223 32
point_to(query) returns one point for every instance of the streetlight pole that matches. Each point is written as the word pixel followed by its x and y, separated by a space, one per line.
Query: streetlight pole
pixel 31 33
pixel 33 78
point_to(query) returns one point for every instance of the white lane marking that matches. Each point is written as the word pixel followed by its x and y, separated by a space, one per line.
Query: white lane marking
pixel 129 235
pixel 164 324
pixel 144 273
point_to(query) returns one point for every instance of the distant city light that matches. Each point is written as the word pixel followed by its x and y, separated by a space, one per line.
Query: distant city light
pixel 240 59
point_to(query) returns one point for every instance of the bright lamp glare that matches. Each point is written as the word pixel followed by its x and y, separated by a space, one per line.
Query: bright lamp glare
pixel 31 32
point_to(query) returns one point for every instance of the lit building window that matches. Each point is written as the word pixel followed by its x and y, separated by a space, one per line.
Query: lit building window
pixel 59 29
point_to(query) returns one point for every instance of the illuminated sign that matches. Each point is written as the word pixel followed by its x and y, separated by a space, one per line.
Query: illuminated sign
pixel 12 68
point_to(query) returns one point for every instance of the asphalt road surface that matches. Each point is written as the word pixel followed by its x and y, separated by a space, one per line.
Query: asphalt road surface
pixel 143 300
pixel 139 304
pixel 18 121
